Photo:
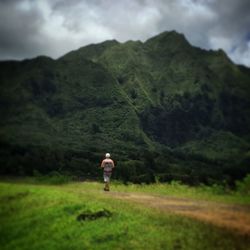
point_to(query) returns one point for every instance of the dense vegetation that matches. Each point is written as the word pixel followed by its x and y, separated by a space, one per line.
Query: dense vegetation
pixel 164 109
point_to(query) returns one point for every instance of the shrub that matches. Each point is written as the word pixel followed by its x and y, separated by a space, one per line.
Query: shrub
pixel 54 178
pixel 244 185
pixel 218 189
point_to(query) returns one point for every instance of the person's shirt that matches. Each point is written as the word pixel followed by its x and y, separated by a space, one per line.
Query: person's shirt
pixel 107 165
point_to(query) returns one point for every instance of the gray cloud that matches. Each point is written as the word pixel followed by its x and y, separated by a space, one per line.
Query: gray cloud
pixel 29 28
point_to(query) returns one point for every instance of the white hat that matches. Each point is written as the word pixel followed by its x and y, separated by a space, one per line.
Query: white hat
pixel 107 155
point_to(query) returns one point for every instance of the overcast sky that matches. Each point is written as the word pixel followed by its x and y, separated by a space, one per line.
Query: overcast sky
pixel 53 27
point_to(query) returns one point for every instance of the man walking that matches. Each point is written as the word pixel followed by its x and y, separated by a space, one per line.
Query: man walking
pixel 107 165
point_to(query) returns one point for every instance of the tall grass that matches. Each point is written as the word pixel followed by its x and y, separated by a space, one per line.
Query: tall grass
pixel 53 177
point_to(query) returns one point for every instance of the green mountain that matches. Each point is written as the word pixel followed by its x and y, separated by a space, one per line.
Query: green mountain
pixel 163 108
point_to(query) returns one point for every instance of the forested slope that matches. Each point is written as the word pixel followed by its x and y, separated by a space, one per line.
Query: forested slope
pixel 163 108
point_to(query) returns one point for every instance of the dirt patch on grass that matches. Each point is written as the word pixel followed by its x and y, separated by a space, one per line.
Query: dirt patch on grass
pixel 89 215
pixel 233 217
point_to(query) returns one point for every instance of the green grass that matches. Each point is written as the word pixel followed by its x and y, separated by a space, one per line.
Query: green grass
pixel 35 216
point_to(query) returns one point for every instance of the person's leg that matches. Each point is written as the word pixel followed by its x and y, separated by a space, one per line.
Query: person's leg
pixel 106 179
pixel 107 186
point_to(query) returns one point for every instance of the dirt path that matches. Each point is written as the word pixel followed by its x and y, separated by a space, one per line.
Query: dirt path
pixel 232 217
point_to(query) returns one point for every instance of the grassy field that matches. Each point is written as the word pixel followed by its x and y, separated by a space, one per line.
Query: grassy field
pixel 82 216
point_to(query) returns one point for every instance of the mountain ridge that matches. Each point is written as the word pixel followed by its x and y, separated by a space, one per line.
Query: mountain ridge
pixel 163 98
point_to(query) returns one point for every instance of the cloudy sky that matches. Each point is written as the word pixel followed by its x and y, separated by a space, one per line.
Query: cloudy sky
pixel 53 27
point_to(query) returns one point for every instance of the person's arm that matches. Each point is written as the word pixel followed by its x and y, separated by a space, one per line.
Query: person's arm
pixel 102 164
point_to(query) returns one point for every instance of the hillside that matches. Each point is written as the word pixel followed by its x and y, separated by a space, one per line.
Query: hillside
pixel 163 108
